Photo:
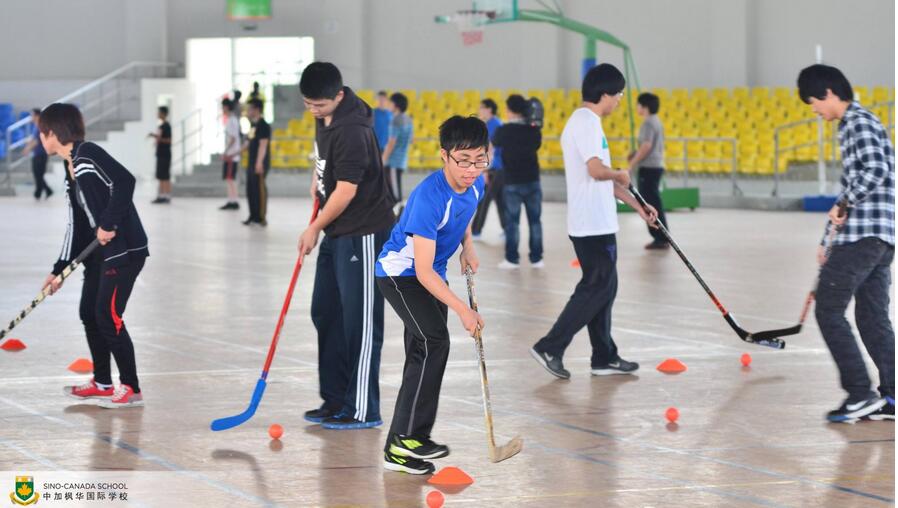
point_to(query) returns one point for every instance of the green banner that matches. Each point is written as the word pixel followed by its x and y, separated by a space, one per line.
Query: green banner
pixel 249 9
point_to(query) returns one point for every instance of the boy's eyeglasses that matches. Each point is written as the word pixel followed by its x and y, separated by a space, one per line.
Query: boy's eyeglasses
pixel 467 164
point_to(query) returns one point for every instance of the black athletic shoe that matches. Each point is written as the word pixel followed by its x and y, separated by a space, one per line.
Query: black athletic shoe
pixel 343 422
pixel 621 366
pixel 319 415
pixel 416 447
pixel 656 245
pixel 247 222
pixel 160 201
pixel 49 193
pixel 852 411
pixel 408 465
pixel 230 206
pixel 550 363
pixel 885 413
pixel 263 223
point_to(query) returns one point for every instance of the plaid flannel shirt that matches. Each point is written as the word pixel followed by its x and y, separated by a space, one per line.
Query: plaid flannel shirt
pixel 868 178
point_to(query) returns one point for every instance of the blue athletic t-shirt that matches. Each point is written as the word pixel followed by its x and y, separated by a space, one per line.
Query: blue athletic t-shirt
pixel 433 211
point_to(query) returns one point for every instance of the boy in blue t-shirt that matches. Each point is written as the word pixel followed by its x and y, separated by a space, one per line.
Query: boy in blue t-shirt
pixel 411 274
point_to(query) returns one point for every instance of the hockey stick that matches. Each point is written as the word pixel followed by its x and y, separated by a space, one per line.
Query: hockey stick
pixel 767 338
pixel 233 421
pixel 46 291
pixel 510 449
pixel 830 238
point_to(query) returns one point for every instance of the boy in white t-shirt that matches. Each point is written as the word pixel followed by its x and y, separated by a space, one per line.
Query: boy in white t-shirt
pixel 231 155
pixel 592 190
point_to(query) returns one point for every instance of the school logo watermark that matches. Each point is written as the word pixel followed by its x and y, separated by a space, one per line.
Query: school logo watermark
pixel 24 493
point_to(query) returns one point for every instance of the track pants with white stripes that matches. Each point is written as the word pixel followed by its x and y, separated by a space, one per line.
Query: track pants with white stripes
pixel 348 312
pixel 426 353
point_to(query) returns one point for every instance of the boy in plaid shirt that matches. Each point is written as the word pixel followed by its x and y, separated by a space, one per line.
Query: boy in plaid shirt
pixel 859 264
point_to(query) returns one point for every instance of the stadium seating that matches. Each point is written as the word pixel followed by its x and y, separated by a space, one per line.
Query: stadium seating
pixel 748 115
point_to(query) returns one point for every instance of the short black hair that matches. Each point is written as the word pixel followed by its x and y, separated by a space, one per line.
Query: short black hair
pixel 382 93
pixel 490 104
pixel 163 110
pixel 464 133
pixel 813 81
pixel 321 80
pixel 603 79
pixel 256 103
pixel 36 111
pixel 64 120
pixel 400 100
pixel 650 102
pixel 227 103
pixel 518 104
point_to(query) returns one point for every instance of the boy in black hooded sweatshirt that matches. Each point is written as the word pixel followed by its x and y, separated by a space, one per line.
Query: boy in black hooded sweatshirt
pixel 99 195
pixel 356 216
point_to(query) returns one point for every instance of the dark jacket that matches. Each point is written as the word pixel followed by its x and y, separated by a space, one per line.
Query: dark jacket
pixel 347 150
pixel 101 196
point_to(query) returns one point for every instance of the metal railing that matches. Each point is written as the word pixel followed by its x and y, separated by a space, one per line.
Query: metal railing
pixel 733 160
pixel 190 143
pixel 110 98
pixel 820 143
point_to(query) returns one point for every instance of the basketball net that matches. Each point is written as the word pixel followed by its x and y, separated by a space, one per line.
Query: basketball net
pixel 470 26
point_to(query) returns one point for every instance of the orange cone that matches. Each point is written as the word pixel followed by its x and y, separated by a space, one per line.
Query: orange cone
pixel 450 476
pixel 671 366
pixel 82 366
pixel 12 345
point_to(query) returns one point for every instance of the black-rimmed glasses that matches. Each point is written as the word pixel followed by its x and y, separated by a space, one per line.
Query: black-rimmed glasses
pixel 465 164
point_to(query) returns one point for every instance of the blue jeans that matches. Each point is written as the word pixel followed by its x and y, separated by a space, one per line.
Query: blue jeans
pixel 531 196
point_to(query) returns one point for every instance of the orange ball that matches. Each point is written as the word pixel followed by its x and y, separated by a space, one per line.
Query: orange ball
pixel 746 359
pixel 672 414
pixel 275 431
pixel 435 499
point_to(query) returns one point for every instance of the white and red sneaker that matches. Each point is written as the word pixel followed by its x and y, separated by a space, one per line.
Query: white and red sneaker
pixel 124 396
pixel 88 391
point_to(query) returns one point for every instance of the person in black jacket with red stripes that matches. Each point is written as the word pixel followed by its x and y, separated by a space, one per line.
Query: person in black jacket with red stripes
pixel 99 195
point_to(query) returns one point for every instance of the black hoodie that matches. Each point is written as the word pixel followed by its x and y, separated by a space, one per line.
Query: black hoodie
pixel 348 151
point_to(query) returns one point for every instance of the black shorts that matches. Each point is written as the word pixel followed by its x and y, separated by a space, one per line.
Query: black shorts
pixel 229 170
pixel 163 167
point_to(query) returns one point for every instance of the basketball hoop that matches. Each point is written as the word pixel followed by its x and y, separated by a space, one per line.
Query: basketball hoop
pixel 470 25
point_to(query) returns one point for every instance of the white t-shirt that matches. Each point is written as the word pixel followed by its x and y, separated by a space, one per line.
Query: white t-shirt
pixel 232 131
pixel 591 206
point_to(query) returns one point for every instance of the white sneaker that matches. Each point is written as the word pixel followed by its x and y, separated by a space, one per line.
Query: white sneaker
pixel 538 264
pixel 476 238
pixel 508 265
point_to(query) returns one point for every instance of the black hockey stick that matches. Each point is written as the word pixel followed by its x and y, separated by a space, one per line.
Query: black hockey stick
pixel 767 338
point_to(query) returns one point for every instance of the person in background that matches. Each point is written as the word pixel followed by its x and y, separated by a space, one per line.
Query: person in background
pixel 519 142
pixel 231 155
pixel 163 157
pixel 494 178
pixel 38 158
pixel 649 159
pixel 395 155
pixel 259 162
pixel 383 115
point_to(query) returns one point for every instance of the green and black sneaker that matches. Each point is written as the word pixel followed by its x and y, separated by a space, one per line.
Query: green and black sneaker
pixel 407 464
pixel 416 447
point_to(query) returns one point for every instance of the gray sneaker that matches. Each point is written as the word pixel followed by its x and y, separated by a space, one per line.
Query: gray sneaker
pixel 550 363
pixel 621 366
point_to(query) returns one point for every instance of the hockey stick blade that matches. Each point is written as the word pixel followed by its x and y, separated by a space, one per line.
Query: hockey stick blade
pixel 507 450
pixel 233 421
